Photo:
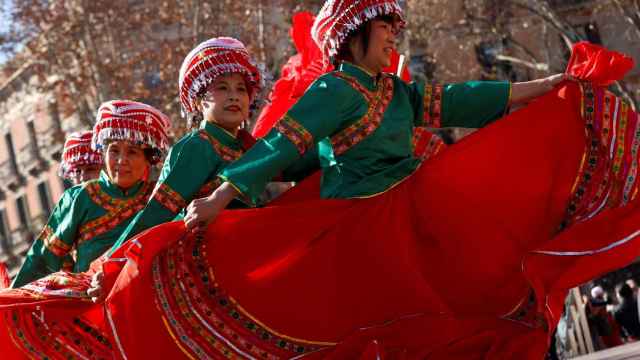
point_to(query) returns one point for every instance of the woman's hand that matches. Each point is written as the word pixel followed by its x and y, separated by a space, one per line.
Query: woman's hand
pixel 95 291
pixel 202 211
pixel 548 83
pixel 524 91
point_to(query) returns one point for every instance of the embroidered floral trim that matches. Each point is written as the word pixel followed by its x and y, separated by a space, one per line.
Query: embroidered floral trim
pixel 607 177
pixel 118 210
pixel 426 144
pixel 365 126
pixel 369 95
pixel 432 103
pixel 226 153
pixel 632 177
pixel 43 339
pixel 296 133
pixel 110 203
pixel 169 198
pixel 54 244
pixel 208 188
pixel 203 319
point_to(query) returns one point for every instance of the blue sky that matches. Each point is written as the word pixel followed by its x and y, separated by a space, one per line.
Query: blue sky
pixel 5 8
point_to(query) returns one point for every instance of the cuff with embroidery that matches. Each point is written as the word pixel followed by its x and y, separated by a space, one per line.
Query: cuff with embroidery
pixel 54 244
pixel 296 133
pixel 432 105
pixel 169 198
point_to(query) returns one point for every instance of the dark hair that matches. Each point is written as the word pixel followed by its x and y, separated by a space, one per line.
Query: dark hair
pixel 363 33
pixel 625 291
pixel 152 155
pixel 194 118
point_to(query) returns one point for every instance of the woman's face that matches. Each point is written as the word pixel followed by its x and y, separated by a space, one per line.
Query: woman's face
pixel 382 43
pixel 126 163
pixel 226 102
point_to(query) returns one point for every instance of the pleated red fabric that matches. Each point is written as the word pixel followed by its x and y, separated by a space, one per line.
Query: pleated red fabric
pixel 468 258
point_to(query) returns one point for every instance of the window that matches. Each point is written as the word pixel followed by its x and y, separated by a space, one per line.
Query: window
pixel 5 239
pixel 45 198
pixel 23 211
pixel 12 152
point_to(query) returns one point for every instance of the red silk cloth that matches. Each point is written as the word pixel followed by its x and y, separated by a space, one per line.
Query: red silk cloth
pixel 465 259
pixel 593 63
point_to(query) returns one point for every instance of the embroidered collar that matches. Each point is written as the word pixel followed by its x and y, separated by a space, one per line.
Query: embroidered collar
pixel 113 190
pixel 363 76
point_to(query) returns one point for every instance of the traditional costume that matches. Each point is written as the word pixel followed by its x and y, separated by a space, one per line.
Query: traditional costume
pixel 89 217
pixel 77 153
pixel 193 164
pixel 462 255
pixel 389 272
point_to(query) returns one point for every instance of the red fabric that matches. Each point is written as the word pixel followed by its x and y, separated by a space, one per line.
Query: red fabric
pixel 614 339
pixel 408 298
pixel 439 267
pixel 597 65
pixel 296 75
pixel 5 281
pixel 395 62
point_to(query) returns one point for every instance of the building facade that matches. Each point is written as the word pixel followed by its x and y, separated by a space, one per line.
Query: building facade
pixel 31 140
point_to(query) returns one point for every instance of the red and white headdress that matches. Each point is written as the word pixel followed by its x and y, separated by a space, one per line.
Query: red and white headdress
pixel 214 57
pixel 131 121
pixel 77 152
pixel 338 18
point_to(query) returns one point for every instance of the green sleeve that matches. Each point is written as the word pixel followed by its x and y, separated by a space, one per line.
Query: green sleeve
pixel 50 251
pixel 472 104
pixel 303 167
pixel 318 113
pixel 188 166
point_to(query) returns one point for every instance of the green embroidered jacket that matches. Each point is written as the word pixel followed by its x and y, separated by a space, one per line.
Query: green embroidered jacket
pixel 189 172
pixel 364 129
pixel 87 219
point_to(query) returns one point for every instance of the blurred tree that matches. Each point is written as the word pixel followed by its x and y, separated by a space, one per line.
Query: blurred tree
pixel 507 39
pixel 90 51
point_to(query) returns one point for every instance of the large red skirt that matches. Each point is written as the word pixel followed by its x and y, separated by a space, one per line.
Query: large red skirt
pixel 468 258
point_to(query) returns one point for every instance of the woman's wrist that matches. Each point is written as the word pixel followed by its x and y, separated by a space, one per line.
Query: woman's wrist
pixel 224 193
pixel 525 91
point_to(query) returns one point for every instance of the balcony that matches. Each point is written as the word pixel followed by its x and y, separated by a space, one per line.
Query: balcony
pixel 30 161
pixel 10 177
pixel 21 239
pixel 51 142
